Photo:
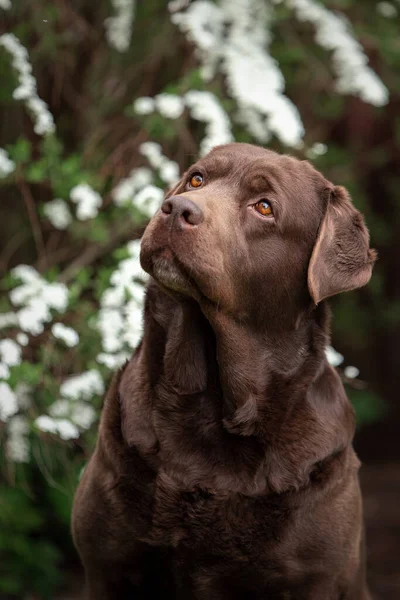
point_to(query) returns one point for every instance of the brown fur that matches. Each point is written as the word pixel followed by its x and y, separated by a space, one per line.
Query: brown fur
pixel 224 466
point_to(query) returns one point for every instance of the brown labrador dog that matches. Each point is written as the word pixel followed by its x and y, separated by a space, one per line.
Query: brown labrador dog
pixel 224 467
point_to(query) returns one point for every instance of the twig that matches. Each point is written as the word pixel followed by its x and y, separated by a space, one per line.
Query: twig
pixel 33 219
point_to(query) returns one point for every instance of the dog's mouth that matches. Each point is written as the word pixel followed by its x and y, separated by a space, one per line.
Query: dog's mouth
pixel 170 273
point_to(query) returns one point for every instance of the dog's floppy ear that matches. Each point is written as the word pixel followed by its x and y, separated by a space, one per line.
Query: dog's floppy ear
pixel 341 259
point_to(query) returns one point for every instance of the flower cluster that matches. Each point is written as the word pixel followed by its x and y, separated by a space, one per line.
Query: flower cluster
pixel 7 166
pixel 120 315
pixel 58 213
pixel 234 36
pixel 203 106
pixel 27 90
pixel 37 298
pixel 119 27
pixel 87 201
pixel 5 4
pixel 349 59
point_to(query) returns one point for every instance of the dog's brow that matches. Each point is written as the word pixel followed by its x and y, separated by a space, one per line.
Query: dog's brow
pixel 217 166
pixel 257 183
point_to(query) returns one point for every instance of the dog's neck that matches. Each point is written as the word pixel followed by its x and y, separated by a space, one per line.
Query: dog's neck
pixel 255 365
pixel 257 394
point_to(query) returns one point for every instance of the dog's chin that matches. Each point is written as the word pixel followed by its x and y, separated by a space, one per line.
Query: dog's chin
pixel 168 273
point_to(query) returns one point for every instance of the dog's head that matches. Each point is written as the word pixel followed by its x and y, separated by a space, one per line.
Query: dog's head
pixel 253 231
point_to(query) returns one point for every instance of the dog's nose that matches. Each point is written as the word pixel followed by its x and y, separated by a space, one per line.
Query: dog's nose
pixel 182 211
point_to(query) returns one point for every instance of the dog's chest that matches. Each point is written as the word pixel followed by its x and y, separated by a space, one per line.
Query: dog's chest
pixel 228 525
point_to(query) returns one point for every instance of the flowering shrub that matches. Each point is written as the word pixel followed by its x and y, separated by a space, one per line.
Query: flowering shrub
pixel 73 313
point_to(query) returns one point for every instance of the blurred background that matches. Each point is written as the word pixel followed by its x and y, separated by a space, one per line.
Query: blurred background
pixel 103 105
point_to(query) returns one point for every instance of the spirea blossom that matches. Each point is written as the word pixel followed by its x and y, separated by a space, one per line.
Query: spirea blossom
pixel 205 107
pixel 386 9
pixel 58 213
pixel 334 358
pixel 120 316
pixel 119 27
pixel 36 297
pixel 80 413
pixel 125 191
pixel 10 353
pixel 234 36
pixel 351 372
pixel 169 105
pixel 61 427
pixel 66 334
pixel 17 444
pixel 83 386
pixel 7 166
pixel 349 59
pixel 87 201
pixel 8 319
pixel 27 90
pixel 8 402
pixel 5 4
pixel 144 105
pixel 167 169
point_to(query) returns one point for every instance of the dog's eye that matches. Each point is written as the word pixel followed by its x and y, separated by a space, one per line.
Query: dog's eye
pixel 264 208
pixel 196 180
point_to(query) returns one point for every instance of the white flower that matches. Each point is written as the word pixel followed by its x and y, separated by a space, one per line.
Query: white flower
pixel 83 386
pixel 127 188
pixel 58 213
pixel 37 296
pixel 149 199
pixel 334 358
pixel 4 371
pixel 87 200
pixel 169 105
pixel 56 296
pixel 17 445
pixel 235 36
pixel 175 5
pixel 5 4
pixel 7 165
pixel 351 372
pixel 205 107
pixel 22 339
pixel 23 395
pixel 119 27
pixel 80 413
pixel 83 415
pixel 33 316
pixel 27 90
pixel 66 334
pixel 8 319
pixel 110 324
pixel 386 9
pixel 8 402
pixel 169 172
pixel 319 148
pixel 60 408
pixel 133 329
pixel 10 353
pixel 62 427
pixel 120 319
pixel 113 361
pixel 144 105
pixel 26 273
pixel 153 153
pixel 349 59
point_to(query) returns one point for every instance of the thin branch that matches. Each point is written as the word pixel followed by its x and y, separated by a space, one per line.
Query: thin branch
pixel 33 219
